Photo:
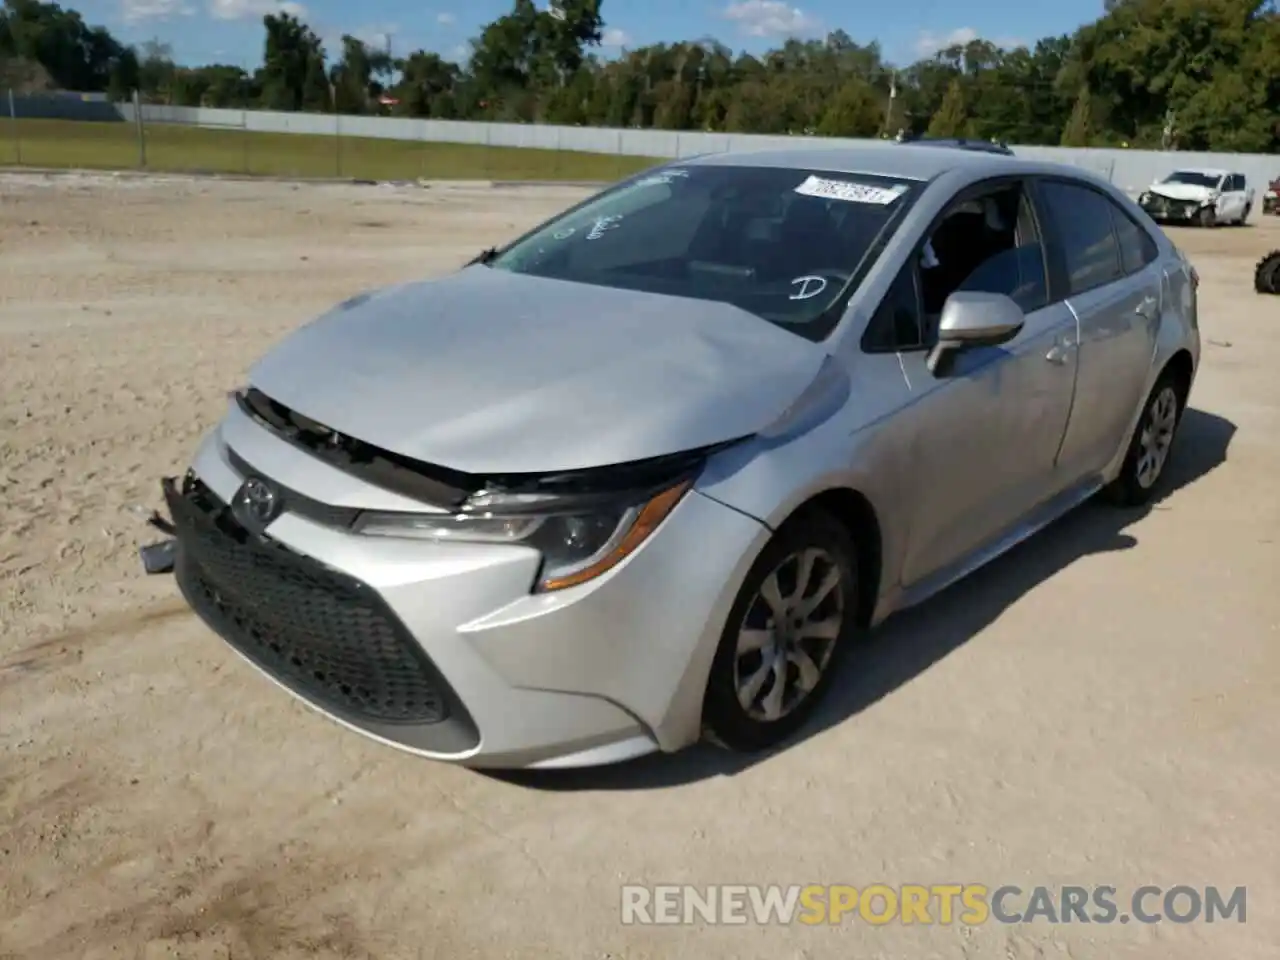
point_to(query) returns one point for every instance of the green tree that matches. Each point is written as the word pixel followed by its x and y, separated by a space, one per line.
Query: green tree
pixel 952 118
pixel 1079 131
pixel 855 111
pixel 293 65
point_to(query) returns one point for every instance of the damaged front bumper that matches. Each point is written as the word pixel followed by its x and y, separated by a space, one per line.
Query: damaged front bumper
pixel 1167 210
pixel 160 557
pixel 441 649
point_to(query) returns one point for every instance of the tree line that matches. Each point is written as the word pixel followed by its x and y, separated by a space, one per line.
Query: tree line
pixel 1172 74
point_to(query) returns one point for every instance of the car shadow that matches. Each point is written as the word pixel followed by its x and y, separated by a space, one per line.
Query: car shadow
pixel 909 643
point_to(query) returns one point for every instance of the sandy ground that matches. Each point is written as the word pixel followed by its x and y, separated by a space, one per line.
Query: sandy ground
pixel 1101 707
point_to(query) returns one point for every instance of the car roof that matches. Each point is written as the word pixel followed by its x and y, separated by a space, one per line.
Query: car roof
pixel 960 143
pixel 890 160
pixel 1203 171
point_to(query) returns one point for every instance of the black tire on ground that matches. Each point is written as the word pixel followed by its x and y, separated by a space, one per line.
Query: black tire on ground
pixel 726 721
pixel 1207 217
pixel 1134 486
pixel 1244 217
pixel 1266 276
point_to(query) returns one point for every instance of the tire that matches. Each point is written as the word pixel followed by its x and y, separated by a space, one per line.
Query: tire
pixel 1244 217
pixel 743 723
pixel 1266 275
pixel 1154 436
pixel 1207 217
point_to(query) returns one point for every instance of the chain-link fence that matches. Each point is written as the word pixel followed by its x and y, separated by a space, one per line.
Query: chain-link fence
pixel 88 131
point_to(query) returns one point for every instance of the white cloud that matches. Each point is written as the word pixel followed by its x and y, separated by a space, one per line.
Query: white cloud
pixel 137 11
pixel 927 44
pixel 770 18
pixel 252 9
pixel 613 37
pixel 375 34
pixel 460 54
pixel 446 19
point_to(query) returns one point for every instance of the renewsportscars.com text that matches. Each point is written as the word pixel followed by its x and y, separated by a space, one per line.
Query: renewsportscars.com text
pixel 970 904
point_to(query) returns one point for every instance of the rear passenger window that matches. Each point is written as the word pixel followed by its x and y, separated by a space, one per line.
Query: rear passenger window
pixel 1083 221
pixel 1137 249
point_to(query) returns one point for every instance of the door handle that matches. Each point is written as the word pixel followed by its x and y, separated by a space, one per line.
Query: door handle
pixel 1147 308
pixel 1060 352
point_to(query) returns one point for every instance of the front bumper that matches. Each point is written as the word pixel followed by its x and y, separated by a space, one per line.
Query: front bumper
pixel 441 649
pixel 1163 210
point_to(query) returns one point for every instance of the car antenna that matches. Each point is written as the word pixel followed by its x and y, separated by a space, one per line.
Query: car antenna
pixel 486 255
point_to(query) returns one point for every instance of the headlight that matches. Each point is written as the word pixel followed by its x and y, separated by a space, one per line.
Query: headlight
pixel 578 538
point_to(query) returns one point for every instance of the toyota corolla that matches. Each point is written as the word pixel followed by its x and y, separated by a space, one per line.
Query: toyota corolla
pixel 648 473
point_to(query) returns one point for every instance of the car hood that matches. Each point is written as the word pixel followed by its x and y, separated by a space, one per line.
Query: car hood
pixel 1181 191
pixel 487 371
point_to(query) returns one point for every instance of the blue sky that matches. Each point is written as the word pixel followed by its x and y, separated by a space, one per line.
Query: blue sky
pixel 230 31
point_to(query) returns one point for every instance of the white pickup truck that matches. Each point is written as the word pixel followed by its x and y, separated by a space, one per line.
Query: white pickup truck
pixel 1203 197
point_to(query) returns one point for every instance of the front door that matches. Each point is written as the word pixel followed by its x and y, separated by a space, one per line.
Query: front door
pixel 986 435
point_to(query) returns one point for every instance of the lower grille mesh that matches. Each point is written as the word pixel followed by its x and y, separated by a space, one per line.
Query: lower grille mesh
pixel 320 632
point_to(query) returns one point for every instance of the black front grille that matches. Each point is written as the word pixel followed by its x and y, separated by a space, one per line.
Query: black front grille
pixel 324 634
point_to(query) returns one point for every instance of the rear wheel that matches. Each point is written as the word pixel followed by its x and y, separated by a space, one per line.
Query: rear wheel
pixel 793 619
pixel 1150 446
pixel 1244 217
pixel 1266 276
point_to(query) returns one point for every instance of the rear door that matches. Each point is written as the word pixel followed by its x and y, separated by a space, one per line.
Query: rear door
pixel 1109 263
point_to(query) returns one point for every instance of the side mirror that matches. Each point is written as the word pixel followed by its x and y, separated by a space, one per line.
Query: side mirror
pixel 972 319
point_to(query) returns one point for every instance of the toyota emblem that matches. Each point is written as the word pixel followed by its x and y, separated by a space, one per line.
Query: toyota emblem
pixel 256 503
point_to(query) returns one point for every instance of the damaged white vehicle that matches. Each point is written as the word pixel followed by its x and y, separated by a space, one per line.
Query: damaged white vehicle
pixel 1203 197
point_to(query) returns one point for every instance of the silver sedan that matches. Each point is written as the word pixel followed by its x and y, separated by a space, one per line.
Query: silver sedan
pixel 648 473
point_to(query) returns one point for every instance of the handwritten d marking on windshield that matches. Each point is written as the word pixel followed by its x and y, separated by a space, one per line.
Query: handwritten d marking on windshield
pixel 809 287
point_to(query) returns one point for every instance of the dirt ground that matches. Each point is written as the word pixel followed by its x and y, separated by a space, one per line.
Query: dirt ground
pixel 1100 707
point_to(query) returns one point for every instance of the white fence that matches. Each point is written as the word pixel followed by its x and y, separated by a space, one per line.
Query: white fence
pixel 1130 169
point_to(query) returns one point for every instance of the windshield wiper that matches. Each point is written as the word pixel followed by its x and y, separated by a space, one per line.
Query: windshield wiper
pixel 484 257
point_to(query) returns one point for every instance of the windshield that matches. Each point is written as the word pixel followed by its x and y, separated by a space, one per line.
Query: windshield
pixel 1193 178
pixel 784 244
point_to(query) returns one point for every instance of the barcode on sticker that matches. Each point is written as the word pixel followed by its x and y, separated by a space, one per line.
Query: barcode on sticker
pixel 849 192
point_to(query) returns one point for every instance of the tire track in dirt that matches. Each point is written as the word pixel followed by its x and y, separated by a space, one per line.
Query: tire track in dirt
pixel 68 646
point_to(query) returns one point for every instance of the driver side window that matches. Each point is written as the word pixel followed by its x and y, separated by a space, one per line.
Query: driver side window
pixel 988 243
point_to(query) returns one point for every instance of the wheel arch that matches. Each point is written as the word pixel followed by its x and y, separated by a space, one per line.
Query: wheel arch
pixel 1182 368
pixel 855 513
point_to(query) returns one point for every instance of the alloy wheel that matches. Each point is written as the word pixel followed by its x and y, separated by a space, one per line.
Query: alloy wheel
pixel 788 635
pixel 1156 437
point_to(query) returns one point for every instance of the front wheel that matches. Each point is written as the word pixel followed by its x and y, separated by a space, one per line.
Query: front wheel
pixel 1149 448
pixel 794 617
pixel 1208 217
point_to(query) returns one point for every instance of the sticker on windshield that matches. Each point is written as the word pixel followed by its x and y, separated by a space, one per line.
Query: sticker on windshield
pixel 807 287
pixel 601 225
pixel 850 192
